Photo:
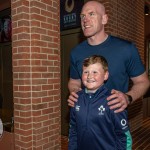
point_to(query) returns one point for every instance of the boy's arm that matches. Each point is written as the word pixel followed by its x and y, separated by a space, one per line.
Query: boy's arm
pixel 129 140
pixel 122 130
pixel 72 131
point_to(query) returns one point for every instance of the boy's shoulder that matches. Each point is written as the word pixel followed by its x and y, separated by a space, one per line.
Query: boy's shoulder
pixel 81 92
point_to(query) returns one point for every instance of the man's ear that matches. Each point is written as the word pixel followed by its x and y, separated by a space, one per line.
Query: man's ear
pixel 106 75
pixel 104 19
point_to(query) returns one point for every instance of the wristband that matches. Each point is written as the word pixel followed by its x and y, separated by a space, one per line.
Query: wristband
pixel 130 99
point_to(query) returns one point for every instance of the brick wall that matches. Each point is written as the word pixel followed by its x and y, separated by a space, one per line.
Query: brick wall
pixel 36 74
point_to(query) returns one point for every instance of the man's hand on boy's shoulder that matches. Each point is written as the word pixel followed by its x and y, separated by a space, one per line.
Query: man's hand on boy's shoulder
pixel 118 101
pixel 72 99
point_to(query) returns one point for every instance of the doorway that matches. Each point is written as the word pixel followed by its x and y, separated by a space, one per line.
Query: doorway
pixel 6 76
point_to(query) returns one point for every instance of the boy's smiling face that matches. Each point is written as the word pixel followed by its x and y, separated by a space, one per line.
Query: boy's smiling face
pixel 94 76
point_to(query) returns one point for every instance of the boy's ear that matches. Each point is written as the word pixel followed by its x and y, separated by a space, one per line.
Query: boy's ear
pixel 106 75
pixel 104 19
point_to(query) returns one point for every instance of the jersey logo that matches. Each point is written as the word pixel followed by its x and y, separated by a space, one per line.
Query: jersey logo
pixel 101 110
pixel 77 108
pixel 124 123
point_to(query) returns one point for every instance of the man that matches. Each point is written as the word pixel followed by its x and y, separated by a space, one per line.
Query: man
pixel 122 56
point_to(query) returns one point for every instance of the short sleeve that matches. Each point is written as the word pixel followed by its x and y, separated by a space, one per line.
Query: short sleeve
pixel 74 74
pixel 135 66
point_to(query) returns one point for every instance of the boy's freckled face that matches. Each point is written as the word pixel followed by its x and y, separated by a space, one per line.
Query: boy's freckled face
pixel 94 76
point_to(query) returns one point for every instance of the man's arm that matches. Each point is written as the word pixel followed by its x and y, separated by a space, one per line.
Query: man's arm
pixel 74 86
pixel 141 84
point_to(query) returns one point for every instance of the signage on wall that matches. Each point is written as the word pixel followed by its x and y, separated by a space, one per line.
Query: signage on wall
pixel 70 13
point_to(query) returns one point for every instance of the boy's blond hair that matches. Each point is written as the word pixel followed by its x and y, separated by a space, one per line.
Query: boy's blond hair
pixel 96 59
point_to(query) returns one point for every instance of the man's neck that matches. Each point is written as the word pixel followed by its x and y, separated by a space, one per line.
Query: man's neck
pixel 97 40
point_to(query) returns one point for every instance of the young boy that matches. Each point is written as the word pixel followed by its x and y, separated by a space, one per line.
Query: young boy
pixel 93 126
